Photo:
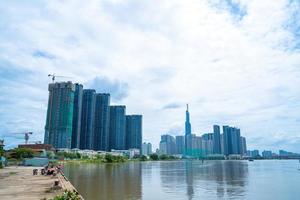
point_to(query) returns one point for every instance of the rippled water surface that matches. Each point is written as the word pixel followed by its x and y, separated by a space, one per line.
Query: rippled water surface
pixel 266 179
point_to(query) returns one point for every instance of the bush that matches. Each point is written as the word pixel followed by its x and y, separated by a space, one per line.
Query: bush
pixel 154 156
pixel 68 195
pixel 20 153
pixel 112 159
pixel 163 157
pixel 143 158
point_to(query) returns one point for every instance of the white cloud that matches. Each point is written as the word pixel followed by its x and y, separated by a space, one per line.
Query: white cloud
pixel 235 64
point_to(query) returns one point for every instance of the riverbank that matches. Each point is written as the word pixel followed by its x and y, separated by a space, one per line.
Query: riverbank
pixel 18 183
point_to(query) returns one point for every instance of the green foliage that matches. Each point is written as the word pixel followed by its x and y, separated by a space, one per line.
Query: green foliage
pixel 114 159
pixel 1 165
pixel 143 158
pixel 20 153
pixel 154 156
pixel 163 157
pixel 68 195
pixel 2 151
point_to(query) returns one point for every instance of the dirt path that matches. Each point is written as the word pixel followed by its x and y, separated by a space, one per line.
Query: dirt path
pixel 19 183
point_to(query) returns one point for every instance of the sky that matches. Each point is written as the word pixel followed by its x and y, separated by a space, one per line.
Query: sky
pixel 235 62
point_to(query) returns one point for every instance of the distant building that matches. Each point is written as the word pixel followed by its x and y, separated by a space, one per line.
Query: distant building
pixel 180 144
pixel 255 153
pixel 77 116
pixel 146 148
pixel 243 146
pixel 37 147
pixel 101 122
pixel 207 143
pixel 87 119
pixel 231 140
pixel 134 131
pixel 58 129
pixel 167 145
pixel 216 140
pixel 117 127
pixel 188 128
pixel 267 154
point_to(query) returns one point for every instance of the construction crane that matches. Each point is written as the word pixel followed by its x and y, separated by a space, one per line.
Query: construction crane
pixel 26 136
pixel 53 76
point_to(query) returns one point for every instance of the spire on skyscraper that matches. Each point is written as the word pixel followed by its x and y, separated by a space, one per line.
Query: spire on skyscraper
pixel 188 130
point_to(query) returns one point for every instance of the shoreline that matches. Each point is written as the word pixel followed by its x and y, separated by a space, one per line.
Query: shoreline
pixel 17 182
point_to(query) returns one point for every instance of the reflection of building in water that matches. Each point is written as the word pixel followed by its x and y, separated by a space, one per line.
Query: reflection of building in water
pixel 107 181
pixel 222 178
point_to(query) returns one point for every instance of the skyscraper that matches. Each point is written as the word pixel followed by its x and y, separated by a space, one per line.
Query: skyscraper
pixel 188 129
pixel 101 122
pixel 146 148
pixel 77 116
pixel 243 146
pixel 134 131
pixel 87 119
pixel 180 144
pixel 231 140
pixel 216 140
pixel 167 145
pixel 117 127
pixel 58 129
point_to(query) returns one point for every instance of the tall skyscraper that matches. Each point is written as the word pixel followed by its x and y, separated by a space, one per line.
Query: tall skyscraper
pixel 77 116
pixel 101 122
pixel 134 131
pixel 231 140
pixel 207 143
pixel 117 127
pixel 87 119
pixel 58 129
pixel 188 129
pixel 180 144
pixel 216 140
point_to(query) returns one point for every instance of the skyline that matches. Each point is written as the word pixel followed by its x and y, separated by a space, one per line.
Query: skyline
pixel 234 62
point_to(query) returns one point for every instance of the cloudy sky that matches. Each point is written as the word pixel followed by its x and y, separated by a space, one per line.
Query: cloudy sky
pixel 235 62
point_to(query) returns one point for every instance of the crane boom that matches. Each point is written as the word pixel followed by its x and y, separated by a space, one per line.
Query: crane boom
pixel 53 76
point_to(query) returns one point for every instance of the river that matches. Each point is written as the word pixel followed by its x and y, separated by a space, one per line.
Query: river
pixel 261 179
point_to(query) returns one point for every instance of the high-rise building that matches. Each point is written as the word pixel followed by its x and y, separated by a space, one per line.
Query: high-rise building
pixel 216 140
pixel 77 116
pixel 101 122
pixel 134 131
pixel 167 145
pixel 146 148
pixel 117 128
pixel 188 128
pixel 207 143
pixel 267 154
pixel 180 144
pixel 58 129
pixel 87 119
pixel 243 146
pixel 231 140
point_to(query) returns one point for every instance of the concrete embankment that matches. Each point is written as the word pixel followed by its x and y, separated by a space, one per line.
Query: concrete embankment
pixel 19 183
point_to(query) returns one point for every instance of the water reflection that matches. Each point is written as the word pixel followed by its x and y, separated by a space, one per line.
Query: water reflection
pixel 109 181
pixel 213 178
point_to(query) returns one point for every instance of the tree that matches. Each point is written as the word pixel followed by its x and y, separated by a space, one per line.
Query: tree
pixel 1 151
pixel 20 153
pixel 143 158
pixel 154 156
pixel 163 157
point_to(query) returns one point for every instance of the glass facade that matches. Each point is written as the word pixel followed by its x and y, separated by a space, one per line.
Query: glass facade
pixel 117 128
pixel 101 123
pixel 134 131
pixel 77 116
pixel 58 129
pixel 87 119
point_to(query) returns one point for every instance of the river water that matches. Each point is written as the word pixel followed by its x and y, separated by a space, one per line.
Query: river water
pixel 265 179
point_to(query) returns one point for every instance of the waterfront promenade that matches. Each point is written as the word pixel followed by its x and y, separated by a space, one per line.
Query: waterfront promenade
pixel 17 182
